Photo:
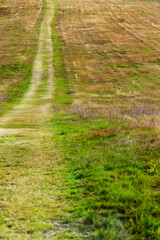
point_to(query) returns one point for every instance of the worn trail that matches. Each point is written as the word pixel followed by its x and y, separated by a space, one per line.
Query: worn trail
pixel 28 161
pixel 30 110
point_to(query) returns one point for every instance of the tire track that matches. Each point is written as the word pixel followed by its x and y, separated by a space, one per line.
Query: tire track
pixel 29 111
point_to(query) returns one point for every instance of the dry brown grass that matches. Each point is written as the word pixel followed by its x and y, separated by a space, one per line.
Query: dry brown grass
pixel 17 18
pixel 112 55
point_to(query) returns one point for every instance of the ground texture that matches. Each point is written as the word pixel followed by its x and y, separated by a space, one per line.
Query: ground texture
pixel 19 27
pixel 107 114
pixel 27 189
pixel 79 153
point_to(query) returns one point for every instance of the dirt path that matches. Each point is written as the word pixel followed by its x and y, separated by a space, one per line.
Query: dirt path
pixel 28 160
pixel 30 110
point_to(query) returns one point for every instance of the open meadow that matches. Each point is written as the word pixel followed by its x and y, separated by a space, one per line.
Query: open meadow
pixel 108 114
pixel 80 119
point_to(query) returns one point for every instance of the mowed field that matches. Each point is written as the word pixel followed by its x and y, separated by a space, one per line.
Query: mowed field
pixel 18 44
pixel 107 68
pixel 112 51
pixel 80 150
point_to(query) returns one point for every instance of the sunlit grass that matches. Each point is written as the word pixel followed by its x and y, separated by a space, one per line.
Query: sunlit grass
pixel 111 152
pixel 19 40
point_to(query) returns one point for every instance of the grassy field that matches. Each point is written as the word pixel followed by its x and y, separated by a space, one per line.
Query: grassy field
pixel 106 122
pixel 30 168
pixel 79 154
pixel 19 28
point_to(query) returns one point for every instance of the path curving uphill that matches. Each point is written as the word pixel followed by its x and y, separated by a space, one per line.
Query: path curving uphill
pixel 27 156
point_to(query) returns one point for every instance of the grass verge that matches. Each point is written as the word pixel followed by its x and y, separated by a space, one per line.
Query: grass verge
pixel 62 95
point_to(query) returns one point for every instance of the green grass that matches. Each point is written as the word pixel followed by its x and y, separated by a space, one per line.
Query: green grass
pixel 18 75
pixel 14 94
pixel 103 174
pixel 31 175
pixel 112 176
pixel 125 65
pixel 111 169
pixel 62 93
pixel 28 196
